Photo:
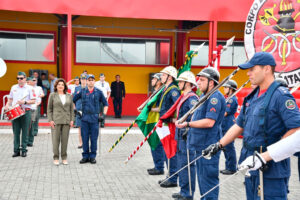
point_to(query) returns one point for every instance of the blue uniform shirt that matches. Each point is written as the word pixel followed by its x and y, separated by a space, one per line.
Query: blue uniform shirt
pixel 185 107
pixel 231 108
pixel 169 99
pixel 213 108
pixel 281 116
pixel 90 104
pixel 78 105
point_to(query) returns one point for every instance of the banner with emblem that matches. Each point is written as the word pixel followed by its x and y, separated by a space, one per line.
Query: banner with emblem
pixel 274 26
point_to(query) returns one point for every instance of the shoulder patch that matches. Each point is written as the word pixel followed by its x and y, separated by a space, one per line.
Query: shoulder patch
pixel 193 102
pixel 290 104
pixel 174 94
pixel 214 101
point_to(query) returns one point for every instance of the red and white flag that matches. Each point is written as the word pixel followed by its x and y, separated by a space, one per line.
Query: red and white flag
pixel 166 131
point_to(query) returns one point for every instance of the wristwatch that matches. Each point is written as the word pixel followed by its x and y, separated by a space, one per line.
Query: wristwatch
pixel 188 124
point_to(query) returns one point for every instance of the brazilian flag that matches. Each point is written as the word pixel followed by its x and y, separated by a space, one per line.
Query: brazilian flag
pixel 147 120
pixel 188 62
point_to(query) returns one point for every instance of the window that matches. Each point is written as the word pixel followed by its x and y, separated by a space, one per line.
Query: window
pixel 26 46
pixel 233 56
pixel 111 50
pixel 202 58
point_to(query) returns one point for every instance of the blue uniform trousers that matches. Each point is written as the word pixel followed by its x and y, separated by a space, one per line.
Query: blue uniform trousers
pixel 159 157
pixel 173 168
pixel 274 189
pixel 208 175
pixel 230 156
pixel 183 175
pixel 89 132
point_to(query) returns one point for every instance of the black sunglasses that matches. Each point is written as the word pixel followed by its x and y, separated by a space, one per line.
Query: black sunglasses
pixel 20 78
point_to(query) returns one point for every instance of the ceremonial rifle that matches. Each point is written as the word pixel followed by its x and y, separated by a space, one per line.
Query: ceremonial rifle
pixel 206 96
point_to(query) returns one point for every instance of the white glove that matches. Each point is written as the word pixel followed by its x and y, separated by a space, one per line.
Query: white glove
pixel 252 163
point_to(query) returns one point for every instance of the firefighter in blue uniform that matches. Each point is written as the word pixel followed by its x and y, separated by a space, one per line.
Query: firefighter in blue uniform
pixel 78 107
pixel 283 83
pixel 91 98
pixel 268 114
pixel 158 153
pixel 186 81
pixel 169 96
pixel 206 129
pixel 231 107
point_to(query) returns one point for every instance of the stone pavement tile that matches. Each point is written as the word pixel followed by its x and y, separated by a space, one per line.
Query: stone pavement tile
pixel 35 177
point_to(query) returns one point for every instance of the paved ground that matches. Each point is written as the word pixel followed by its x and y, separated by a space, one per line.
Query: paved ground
pixel 35 177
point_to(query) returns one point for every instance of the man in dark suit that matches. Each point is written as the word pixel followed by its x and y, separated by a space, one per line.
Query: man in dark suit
pixel 117 95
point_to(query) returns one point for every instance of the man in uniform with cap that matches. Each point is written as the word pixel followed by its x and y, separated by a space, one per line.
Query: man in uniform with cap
pixel 78 107
pixel 231 107
pixel 72 87
pixel 91 98
pixel 23 95
pixel 186 81
pixel 268 114
pixel 205 128
pixel 105 88
pixel 169 96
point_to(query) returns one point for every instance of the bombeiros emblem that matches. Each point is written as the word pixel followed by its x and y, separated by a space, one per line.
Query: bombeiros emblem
pixel 274 26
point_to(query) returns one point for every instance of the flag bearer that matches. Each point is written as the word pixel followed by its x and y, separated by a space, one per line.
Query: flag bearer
pixel 186 81
pixel 205 129
pixel 170 94
pixel 158 153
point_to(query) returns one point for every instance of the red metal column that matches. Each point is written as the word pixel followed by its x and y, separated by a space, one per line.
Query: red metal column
pixel 181 46
pixel 66 49
pixel 68 75
pixel 213 34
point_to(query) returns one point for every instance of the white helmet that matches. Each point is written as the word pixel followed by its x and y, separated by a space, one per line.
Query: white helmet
pixel 187 76
pixel 170 70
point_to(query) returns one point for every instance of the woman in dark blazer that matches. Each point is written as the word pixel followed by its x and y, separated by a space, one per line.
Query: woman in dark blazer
pixel 60 114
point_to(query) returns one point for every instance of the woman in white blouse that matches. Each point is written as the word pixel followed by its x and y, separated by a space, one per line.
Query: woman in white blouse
pixel 60 114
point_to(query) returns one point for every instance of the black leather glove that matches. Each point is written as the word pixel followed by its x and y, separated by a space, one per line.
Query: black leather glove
pixel 78 112
pixel 101 118
pixel 168 120
pixel 185 133
pixel 211 150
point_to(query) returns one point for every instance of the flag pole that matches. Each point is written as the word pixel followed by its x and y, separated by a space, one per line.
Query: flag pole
pixel 141 144
pixel 121 137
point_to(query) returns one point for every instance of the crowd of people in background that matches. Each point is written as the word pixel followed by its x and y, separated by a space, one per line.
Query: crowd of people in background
pixel 81 102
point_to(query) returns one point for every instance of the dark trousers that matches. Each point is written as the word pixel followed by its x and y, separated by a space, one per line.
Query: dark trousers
pixel 117 106
pixel 208 175
pixel 21 123
pixel 44 102
pixel 89 132
pixel 274 188
pixel 183 175
pixel 159 157
pixel 172 168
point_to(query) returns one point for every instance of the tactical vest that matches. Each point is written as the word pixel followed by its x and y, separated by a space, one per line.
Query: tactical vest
pixel 263 110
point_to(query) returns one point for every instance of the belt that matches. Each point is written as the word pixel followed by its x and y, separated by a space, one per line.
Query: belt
pixel 26 109
pixel 253 148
